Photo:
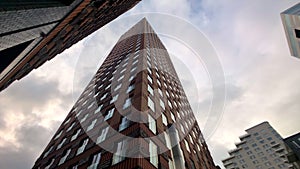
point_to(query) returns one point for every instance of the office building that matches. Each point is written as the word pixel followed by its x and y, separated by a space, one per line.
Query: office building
pixel 133 114
pixel 260 148
pixel 293 147
pixel 291 22
pixel 34 31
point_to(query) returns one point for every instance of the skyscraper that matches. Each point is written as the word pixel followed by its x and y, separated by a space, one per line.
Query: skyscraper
pixel 261 148
pixel 291 22
pixel 34 31
pixel 133 114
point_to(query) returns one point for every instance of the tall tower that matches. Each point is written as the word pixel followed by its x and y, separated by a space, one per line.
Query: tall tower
pixel 262 147
pixel 133 114
pixel 291 23
pixel 34 31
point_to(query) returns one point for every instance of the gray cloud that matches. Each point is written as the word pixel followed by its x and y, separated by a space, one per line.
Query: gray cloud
pixel 32 139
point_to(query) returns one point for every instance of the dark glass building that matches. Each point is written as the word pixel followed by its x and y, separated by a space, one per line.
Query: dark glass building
pixel 133 114
pixel 293 146
pixel 34 31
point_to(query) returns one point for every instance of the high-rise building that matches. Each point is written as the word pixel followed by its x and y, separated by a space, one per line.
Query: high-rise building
pixel 293 146
pixel 261 148
pixel 34 31
pixel 133 114
pixel 291 22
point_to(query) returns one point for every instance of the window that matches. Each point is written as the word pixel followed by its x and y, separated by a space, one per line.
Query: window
pixel 150 79
pixel 58 135
pixel 98 109
pixel 118 87
pixel 91 105
pixel 160 92
pixel 109 114
pixel 152 124
pixel 162 104
pixel 127 103
pixel 46 154
pixel 75 135
pixel 103 97
pixel 150 90
pixel 82 147
pixel 187 146
pixel 91 126
pixel 50 164
pixel 124 124
pixel 297 33
pixel 95 162
pixel 131 78
pixel 82 120
pixel 168 141
pixel 151 104
pixel 133 69
pixel 63 159
pixel 164 119
pixel 130 88
pixel 120 78
pixel 120 154
pixel 153 154
pixel 103 135
pixel 172 116
pixel 61 143
pixel 115 98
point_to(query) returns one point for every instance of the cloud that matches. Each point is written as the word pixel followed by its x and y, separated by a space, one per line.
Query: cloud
pixel 32 139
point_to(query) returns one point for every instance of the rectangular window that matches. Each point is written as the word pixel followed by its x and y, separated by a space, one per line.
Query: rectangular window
pixel 151 104
pixel 109 114
pixel 91 126
pixel 114 99
pixel 162 104
pixel 58 135
pixel 152 124
pixel 297 32
pixel 130 88
pixel 61 143
pixel 124 124
pixel 164 119
pixel 187 146
pixel 150 90
pixel 120 154
pixel 153 154
pixel 160 92
pixel 95 162
pixel 63 159
pixel 103 135
pixel 75 135
pixel 98 109
pixel 82 147
pixel 83 119
pixel 50 164
pixel 127 103
pixel 118 87
pixel 172 117
pixel 150 79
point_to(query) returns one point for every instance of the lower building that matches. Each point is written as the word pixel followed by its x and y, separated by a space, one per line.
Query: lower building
pixel 293 146
pixel 260 148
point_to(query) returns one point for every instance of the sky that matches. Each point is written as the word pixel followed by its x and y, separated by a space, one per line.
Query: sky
pixel 248 39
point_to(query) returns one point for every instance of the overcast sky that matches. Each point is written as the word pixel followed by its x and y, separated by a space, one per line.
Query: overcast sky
pixel 262 78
